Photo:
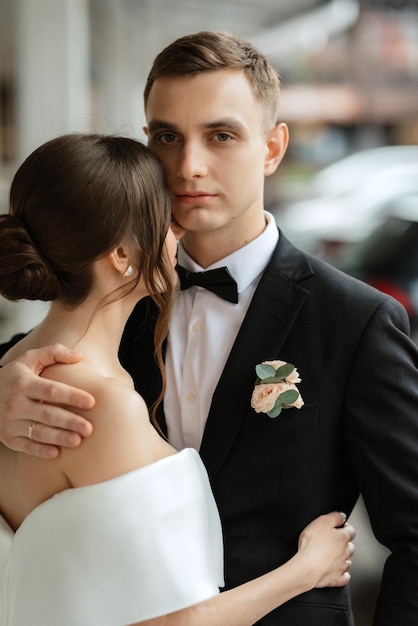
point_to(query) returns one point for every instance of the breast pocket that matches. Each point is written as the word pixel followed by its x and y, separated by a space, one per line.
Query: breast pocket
pixel 288 419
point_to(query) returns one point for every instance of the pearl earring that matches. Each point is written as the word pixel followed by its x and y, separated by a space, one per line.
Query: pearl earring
pixel 129 271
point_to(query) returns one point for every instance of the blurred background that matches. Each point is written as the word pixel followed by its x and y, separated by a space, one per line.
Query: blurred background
pixel 348 187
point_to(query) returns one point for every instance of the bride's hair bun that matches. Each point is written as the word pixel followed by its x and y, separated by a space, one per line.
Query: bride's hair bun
pixel 24 272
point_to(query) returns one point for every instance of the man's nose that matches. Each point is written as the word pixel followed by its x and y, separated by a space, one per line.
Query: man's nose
pixel 192 162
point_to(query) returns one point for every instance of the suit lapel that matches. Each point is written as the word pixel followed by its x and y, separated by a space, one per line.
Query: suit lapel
pixel 274 307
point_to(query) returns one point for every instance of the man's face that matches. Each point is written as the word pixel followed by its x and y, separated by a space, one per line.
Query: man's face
pixel 209 131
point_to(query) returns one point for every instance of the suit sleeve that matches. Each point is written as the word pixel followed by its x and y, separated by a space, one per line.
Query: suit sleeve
pixel 382 434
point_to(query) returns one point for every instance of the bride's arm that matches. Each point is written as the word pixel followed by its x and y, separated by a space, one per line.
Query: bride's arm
pixel 323 560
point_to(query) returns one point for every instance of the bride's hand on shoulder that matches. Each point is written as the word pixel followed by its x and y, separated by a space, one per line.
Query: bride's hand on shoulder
pixel 326 547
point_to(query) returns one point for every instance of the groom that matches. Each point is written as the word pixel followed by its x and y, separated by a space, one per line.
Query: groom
pixel 211 104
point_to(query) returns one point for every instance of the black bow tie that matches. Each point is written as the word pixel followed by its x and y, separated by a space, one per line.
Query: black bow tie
pixel 219 281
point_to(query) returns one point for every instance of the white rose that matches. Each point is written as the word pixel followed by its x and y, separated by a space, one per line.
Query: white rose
pixel 294 377
pixel 265 395
pixel 275 364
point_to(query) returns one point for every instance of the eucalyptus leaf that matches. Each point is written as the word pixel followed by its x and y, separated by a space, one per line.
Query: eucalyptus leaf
pixel 271 379
pixel 276 410
pixel 285 370
pixel 289 397
pixel 264 371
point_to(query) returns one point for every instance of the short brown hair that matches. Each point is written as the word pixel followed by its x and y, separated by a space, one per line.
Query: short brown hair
pixel 206 51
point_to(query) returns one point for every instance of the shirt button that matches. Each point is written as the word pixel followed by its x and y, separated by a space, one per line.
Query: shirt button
pixel 197 327
pixel 190 398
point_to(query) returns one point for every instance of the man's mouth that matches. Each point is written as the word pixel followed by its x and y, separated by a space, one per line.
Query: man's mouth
pixel 189 197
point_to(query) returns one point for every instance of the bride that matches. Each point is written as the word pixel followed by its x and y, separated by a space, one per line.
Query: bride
pixel 122 529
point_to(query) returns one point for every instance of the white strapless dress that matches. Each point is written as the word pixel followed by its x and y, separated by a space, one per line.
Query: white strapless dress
pixel 132 548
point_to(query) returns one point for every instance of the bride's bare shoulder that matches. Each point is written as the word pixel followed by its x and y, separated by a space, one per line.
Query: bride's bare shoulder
pixel 122 434
pixel 109 390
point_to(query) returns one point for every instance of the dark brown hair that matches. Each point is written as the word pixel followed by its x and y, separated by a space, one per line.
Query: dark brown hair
pixel 206 51
pixel 72 201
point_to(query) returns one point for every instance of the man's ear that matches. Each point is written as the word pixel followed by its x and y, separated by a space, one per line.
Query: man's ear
pixel 146 131
pixel 119 258
pixel 276 146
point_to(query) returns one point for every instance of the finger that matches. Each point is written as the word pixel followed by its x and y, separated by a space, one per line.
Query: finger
pixel 351 549
pixel 55 436
pixel 343 518
pixel 336 519
pixel 54 392
pixel 43 441
pixel 342 579
pixel 50 422
pixel 33 448
pixel 349 531
pixel 40 358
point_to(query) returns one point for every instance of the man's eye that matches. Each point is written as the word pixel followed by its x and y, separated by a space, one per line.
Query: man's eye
pixel 167 138
pixel 223 136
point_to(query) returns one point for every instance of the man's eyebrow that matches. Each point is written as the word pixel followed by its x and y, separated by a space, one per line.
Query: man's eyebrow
pixel 156 125
pixel 230 123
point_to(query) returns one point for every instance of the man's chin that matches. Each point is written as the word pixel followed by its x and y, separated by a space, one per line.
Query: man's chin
pixel 195 220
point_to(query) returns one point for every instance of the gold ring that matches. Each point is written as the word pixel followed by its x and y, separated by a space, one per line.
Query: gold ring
pixel 31 429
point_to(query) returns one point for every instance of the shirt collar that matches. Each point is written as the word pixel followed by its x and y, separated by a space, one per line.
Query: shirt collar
pixel 246 263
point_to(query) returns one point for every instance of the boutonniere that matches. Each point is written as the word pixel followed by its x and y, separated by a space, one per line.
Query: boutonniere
pixel 275 388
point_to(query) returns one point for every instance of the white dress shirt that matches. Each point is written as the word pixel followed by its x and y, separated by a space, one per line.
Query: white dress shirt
pixel 202 332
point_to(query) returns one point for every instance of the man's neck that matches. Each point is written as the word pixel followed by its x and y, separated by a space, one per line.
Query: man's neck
pixel 208 248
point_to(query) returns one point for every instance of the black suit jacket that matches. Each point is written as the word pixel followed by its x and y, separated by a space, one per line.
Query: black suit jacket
pixel 357 432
